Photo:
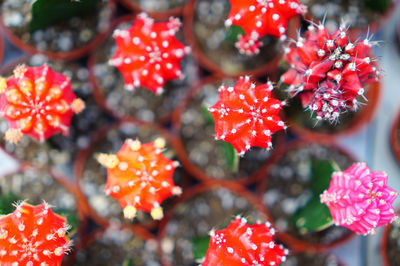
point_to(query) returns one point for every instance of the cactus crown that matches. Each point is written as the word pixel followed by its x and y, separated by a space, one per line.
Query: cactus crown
pixel 148 54
pixel 359 199
pixel 37 101
pixel 246 115
pixel 243 244
pixel 140 177
pixel 329 71
pixel 259 18
pixel 33 235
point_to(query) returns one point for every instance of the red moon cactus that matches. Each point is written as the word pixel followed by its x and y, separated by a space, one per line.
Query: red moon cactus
pixel 329 71
pixel 261 17
pixel 140 177
pixel 242 244
pixel 246 115
pixel 37 101
pixel 359 199
pixel 33 235
pixel 148 54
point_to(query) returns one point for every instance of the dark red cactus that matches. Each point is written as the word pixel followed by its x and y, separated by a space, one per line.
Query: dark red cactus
pixel 261 17
pixel 242 244
pixel 140 177
pixel 37 101
pixel 246 115
pixel 148 54
pixel 329 71
pixel 33 235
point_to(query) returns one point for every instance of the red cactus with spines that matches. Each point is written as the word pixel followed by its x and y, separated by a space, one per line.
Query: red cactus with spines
pixel 140 177
pixel 38 102
pixel 242 244
pixel 33 235
pixel 247 115
pixel 329 71
pixel 148 53
pixel 259 18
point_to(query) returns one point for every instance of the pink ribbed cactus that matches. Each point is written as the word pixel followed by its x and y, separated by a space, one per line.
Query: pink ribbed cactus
pixel 37 101
pixel 148 54
pixel 140 177
pixel 259 18
pixel 242 244
pixel 246 115
pixel 33 235
pixel 329 71
pixel 359 199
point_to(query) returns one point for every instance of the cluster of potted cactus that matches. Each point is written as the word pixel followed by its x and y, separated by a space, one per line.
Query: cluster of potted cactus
pixel 172 143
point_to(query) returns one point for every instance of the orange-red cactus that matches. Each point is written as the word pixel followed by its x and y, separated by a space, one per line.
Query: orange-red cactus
pixel 140 177
pixel 37 101
pixel 33 235
pixel 242 244
pixel 246 115
pixel 148 54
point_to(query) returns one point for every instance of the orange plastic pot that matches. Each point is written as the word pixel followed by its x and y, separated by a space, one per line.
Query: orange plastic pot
pixel 70 55
pixel 296 244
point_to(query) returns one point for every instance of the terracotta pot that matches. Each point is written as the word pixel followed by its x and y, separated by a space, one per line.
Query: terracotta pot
pixel 312 259
pixel 159 15
pixel 203 171
pixel 70 55
pixel 371 28
pixel 304 243
pixel 394 137
pixel 140 104
pixel 360 120
pixel 112 138
pixel 253 210
pixel 59 150
pixel 114 238
pixel 261 69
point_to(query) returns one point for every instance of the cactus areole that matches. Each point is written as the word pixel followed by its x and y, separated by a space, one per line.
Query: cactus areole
pixel 33 235
pixel 359 199
pixel 246 115
pixel 243 244
pixel 38 102
pixel 259 18
pixel 148 54
pixel 329 71
pixel 140 177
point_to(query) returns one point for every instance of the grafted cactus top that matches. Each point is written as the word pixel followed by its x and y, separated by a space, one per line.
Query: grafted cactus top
pixel 329 71
pixel 140 177
pixel 148 53
pixel 246 115
pixel 33 235
pixel 242 244
pixel 359 199
pixel 261 17
pixel 37 101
